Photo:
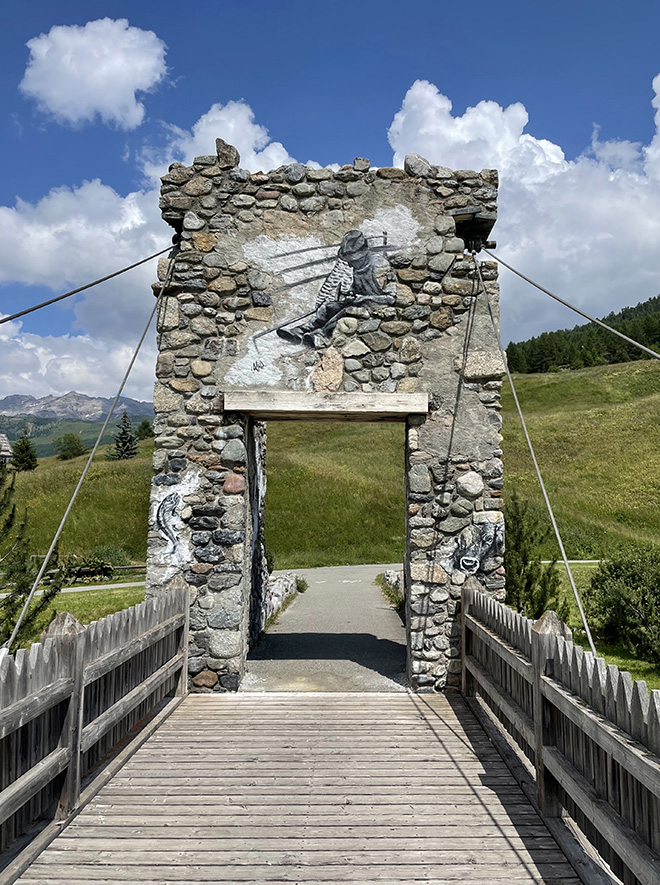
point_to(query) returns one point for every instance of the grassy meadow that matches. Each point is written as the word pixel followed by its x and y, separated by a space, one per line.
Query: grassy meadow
pixel 112 507
pixel 596 433
pixel 335 493
pixel 87 606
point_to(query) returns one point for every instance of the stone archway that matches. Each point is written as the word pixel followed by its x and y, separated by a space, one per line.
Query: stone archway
pixel 349 294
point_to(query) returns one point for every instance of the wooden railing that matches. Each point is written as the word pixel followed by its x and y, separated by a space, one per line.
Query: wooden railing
pixel 587 734
pixel 66 702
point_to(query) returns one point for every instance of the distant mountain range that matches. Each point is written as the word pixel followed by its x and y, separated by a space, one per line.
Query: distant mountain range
pixel 71 407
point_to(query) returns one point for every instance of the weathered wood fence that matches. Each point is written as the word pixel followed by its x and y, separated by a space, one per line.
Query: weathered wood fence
pixel 66 703
pixel 588 734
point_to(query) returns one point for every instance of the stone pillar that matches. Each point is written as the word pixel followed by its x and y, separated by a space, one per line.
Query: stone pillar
pixel 455 524
pixel 201 529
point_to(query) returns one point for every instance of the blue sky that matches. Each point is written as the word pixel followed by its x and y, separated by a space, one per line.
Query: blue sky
pixel 109 93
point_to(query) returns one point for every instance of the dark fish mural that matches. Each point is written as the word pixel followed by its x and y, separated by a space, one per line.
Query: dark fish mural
pixel 164 514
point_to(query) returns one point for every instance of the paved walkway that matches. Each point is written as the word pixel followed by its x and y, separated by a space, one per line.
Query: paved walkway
pixel 340 635
pixel 280 788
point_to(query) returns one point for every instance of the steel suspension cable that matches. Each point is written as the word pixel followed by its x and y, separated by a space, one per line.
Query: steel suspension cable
pixel 537 468
pixel 22 313
pixel 591 319
pixel 44 565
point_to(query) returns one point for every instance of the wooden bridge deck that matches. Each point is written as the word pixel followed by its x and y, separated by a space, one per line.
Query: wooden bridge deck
pixel 355 788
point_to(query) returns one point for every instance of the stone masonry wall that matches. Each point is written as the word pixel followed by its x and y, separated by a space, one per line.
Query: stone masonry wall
pixel 253 252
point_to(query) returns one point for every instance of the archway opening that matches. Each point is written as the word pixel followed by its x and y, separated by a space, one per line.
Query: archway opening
pixel 335 519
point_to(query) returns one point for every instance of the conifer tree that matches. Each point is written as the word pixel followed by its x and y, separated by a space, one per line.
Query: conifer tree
pixel 531 586
pixel 25 454
pixel 125 441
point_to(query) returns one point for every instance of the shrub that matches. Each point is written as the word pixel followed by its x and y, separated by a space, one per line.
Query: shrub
pixel 85 569
pixel 113 554
pixel 623 602
pixel 19 570
pixel 68 446
pixel 145 430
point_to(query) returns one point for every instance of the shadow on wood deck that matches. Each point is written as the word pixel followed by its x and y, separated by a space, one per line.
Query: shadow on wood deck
pixel 309 788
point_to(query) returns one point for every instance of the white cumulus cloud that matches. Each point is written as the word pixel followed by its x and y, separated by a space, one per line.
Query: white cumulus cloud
pixel 73 236
pixel 77 73
pixel 587 228
pixel 55 364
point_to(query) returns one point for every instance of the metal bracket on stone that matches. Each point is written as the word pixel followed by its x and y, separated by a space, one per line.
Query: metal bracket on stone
pixel 473 225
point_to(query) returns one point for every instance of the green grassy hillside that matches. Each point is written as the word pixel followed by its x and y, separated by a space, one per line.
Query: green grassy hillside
pixel 335 491
pixel 596 433
pixel 112 506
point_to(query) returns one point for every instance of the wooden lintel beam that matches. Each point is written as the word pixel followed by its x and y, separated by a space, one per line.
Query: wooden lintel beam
pixel 306 405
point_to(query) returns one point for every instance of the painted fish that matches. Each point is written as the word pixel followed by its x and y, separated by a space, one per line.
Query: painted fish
pixel 166 510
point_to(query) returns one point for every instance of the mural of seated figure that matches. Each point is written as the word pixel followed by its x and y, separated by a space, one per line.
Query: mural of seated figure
pixel 351 283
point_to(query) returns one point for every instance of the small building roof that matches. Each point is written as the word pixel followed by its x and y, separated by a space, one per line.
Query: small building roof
pixel 6 453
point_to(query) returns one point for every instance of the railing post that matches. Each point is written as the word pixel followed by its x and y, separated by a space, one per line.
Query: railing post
pixel 73 639
pixel 544 632
pixel 182 684
pixel 467 680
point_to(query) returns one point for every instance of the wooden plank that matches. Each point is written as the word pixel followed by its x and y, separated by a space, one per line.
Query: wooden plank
pixel 22 711
pixel 529 879
pixel 507 652
pixel 288 856
pixel 285 404
pixel 415 770
pixel 182 682
pixel 634 758
pixel 497 781
pixel 518 816
pixel 297 759
pixel 544 641
pixel 336 803
pixel 73 648
pixel 413 833
pixel 634 852
pixel 463 841
pixel 26 786
pixel 389 872
pixel 118 656
pixel 516 715
pixel 479 776
pixel 115 713
pixel 310 800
